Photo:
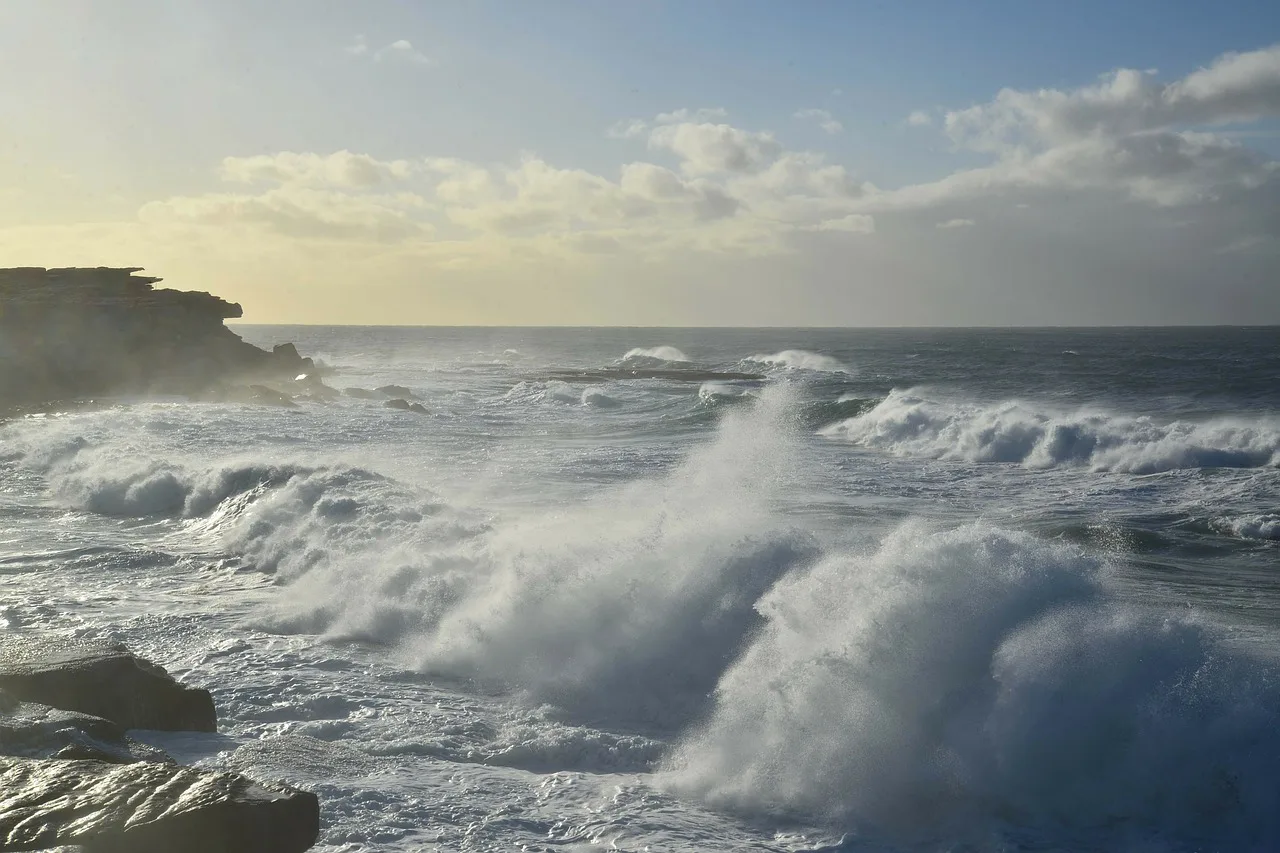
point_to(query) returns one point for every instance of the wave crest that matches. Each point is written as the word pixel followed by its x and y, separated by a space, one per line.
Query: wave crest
pixel 799 359
pixel 907 423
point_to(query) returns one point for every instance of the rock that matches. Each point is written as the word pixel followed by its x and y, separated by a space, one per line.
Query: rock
pixel 149 808
pixel 396 391
pixel 361 393
pixel 406 406
pixel 67 334
pixel 38 731
pixel 264 396
pixel 103 680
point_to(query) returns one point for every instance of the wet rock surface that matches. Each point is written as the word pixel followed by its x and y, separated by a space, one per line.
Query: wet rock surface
pixel 103 680
pixel 149 808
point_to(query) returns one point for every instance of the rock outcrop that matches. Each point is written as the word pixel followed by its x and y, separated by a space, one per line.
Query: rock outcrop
pixel 103 680
pixel 78 332
pixel 149 808
pixel 71 778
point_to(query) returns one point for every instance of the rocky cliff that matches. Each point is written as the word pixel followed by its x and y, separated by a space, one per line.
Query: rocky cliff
pixel 79 332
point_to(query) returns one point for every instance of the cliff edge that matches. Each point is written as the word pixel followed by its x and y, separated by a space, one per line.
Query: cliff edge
pixel 78 332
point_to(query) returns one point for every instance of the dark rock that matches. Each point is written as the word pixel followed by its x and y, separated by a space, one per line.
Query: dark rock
pixel 361 393
pixel 67 334
pixel 149 808
pixel 396 391
pixel 264 396
pixel 103 680
pixel 406 406
pixel 37 731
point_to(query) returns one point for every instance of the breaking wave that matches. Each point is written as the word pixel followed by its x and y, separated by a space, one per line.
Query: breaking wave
pixel 907 423
pixel 650 356
pixel 798 359
pixel 953 678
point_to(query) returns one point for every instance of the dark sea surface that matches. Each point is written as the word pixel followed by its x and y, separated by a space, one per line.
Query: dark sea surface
pixel 703 589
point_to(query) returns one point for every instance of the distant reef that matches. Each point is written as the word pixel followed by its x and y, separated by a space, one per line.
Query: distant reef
pixel 80 332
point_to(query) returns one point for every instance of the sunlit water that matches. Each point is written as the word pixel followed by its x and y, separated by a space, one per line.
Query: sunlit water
pixel 912 590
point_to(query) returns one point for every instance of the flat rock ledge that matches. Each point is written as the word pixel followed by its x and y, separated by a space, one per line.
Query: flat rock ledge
pixel 149 808
pixel 103 680
pixel 72 779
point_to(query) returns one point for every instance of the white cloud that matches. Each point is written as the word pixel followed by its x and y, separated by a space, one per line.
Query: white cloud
pixel 710 148
pixel 628 128
pixel 298 212
pixel 824 119
pixel 401 51
pixel 919 118
pixel 684 114
pixel 340 169
pixel 956 223
pixel 854 223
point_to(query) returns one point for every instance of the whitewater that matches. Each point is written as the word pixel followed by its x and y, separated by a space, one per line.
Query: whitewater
pixel 660 589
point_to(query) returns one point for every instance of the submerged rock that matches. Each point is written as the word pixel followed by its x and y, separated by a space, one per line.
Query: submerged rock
pixel 406 406
pixel 149 808
pixel 361 393
pixel 103 680
pixel 396 391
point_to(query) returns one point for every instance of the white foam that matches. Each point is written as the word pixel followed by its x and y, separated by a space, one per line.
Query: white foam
pixel 660 353
pixel 799 359
pixel 909 423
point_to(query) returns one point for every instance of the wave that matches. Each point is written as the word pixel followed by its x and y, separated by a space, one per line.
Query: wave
pixel 1261 526
pixel 907 423
pixel 952 679
pixel 798 359
pixel 650 356
pixel 625 608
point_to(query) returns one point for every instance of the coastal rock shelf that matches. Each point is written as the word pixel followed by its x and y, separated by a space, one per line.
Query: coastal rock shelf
pixel 78 332
pixel 70 775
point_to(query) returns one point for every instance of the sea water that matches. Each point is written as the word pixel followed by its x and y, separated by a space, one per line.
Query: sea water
pixel 663 589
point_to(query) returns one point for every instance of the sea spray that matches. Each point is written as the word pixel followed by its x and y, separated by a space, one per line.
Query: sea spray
pixel 625 608
pixel 953 679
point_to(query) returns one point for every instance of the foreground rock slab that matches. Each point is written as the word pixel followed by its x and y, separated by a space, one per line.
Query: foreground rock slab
pixel 149 808
pixel 103 680
pixel 29 730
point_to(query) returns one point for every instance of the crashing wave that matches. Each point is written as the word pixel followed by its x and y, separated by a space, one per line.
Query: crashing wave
pixel 798 359
pixel 652 356
pixel 907 423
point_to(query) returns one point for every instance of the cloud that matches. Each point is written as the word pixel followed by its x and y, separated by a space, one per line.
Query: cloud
pixel 709 148
pixel 824 119
pixel 685 114
pixel 400 50
pixel 298 212
pixel 340 169
pixel 957 223
pixel 629 128
pixel 854 223
pixel 919 118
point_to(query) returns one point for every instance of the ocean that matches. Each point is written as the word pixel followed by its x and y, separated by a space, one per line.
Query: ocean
pixel 702 590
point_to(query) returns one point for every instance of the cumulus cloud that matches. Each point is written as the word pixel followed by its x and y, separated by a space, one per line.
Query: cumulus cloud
pixel 705 148
pixel 956 223
pixel 854 223
pixel 919 118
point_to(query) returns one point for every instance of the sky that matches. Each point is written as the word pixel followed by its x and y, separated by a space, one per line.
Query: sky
pixel 711 163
